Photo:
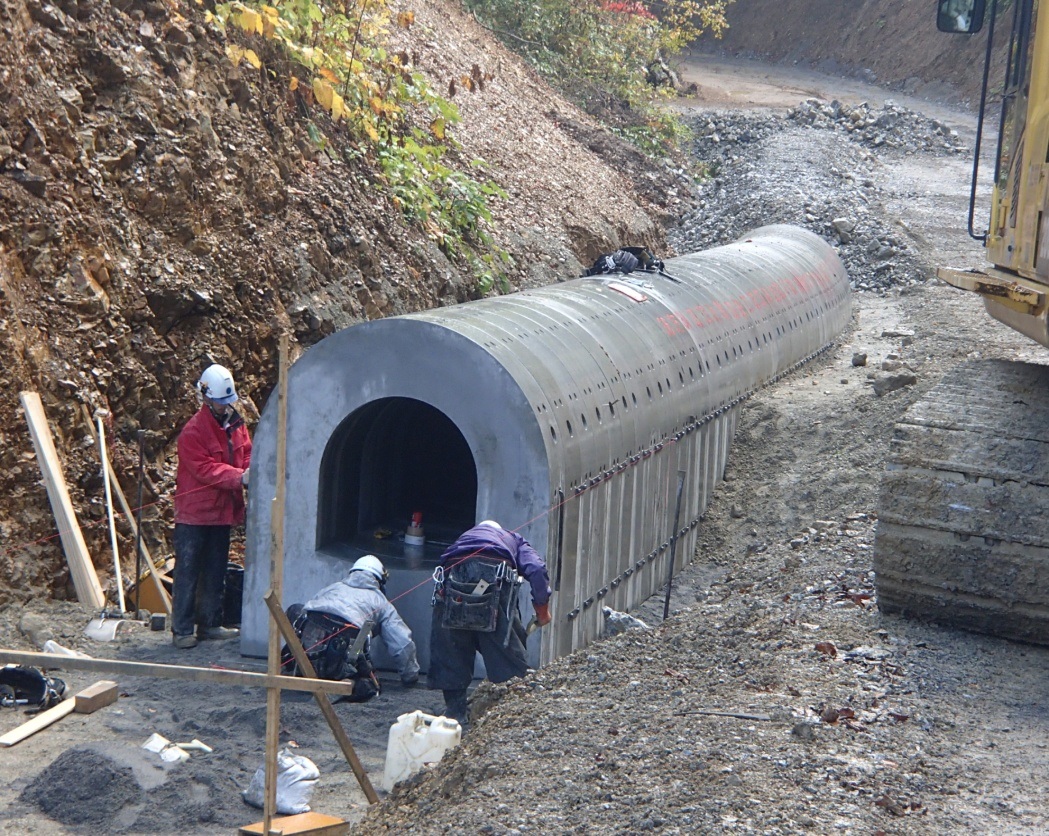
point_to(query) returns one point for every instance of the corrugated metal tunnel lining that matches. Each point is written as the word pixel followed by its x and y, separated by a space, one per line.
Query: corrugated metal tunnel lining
pixel 564 412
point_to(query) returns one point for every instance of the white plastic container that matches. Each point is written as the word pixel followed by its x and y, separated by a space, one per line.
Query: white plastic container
pixel 417 739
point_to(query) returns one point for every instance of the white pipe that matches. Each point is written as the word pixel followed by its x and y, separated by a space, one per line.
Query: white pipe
pixel 109 509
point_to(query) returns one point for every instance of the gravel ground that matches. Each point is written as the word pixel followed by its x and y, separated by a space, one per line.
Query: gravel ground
pixel 776 698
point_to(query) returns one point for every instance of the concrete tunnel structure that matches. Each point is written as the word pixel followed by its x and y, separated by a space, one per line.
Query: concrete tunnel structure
pixel 563 412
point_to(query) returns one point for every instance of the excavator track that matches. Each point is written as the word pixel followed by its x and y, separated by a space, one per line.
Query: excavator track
pixel 963 526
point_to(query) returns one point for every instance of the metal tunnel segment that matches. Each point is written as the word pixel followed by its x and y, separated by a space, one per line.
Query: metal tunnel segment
pixel 572 407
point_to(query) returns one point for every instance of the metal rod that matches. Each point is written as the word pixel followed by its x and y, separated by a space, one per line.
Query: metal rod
pixel 138 523
pixel 104 456
pixel 673 543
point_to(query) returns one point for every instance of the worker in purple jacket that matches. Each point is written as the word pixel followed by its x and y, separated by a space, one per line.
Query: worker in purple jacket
pixel 475 610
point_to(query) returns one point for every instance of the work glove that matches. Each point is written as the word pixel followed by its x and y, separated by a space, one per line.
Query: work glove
pixel 542 614
pixel 244 478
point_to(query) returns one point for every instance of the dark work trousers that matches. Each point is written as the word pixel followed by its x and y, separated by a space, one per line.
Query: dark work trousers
pixel 201 556
pixel 452 652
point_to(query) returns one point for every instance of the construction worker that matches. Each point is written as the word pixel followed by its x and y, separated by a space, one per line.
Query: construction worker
pixel 475 611
pixel 329 627
pixel 214 452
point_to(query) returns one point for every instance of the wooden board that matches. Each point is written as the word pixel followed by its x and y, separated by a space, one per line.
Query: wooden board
pixel 316 824
pixel 40 721
pixel 85 580
pixel 102 693
pixel 221 676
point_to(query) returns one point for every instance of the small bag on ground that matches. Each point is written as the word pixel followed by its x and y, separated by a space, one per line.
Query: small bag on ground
pixel 296 779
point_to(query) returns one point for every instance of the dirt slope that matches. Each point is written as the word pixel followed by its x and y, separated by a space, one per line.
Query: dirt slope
pixel 160 208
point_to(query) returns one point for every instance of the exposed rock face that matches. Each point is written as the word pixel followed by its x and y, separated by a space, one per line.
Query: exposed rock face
pixel 160 208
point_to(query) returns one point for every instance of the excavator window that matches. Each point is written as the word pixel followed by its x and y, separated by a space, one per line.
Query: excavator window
pixel 963 17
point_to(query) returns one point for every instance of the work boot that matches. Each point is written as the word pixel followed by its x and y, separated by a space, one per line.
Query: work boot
pixel 184 642
pixel 455 706
pixel 217 633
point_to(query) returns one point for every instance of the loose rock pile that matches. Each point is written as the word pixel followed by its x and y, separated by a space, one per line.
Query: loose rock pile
pixel 891 127
pixel 768 169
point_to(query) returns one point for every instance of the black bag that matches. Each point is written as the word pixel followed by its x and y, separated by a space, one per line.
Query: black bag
pixel 472 594
pixel 620 261
pixel 327 640
pixel 29 686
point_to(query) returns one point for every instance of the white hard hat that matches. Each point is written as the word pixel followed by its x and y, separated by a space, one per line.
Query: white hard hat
pixel 372 565
pixel 217 384
pixel 492 523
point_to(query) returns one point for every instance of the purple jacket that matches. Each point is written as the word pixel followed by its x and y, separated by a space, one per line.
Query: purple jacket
pixel 484 539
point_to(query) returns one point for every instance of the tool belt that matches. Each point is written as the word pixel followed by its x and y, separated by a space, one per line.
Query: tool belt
pixel 327 640
pixel 474 591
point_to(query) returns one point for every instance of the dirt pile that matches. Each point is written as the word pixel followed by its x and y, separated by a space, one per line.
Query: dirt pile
pixel 161 208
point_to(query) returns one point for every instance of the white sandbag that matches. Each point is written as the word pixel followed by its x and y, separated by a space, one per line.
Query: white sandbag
pixel 296 777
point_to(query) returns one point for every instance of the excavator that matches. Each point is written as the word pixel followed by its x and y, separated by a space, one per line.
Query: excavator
pixel 962 539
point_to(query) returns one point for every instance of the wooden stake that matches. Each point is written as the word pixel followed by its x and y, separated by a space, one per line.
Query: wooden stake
pixel 276 588
pixel 303 661
pixel 85 579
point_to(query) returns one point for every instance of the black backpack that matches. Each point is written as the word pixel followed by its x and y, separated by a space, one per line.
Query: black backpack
pixel 626 260
pixel 28 686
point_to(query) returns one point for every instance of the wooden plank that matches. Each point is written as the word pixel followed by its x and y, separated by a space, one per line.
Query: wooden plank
pixel 102 693
pixel 276 585
pixel 85 580
pixel 314 824
pixel 220 676
pixel 40 721
pixel 325 705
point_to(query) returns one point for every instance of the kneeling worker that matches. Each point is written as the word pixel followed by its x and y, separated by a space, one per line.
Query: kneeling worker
pixel 329 626
pixel 475 610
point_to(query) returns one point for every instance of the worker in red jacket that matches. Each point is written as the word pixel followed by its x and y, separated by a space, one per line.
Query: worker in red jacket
pixel 214 453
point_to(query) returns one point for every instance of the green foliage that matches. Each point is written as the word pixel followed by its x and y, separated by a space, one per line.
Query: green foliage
pixel 339 61
pixel 604 51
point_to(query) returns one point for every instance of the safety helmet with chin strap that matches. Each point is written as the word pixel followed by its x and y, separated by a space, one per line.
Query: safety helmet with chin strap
pixel 216 384
pixel 373 566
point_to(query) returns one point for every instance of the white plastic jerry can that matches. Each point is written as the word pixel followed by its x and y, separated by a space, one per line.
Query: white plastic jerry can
pixel 417 739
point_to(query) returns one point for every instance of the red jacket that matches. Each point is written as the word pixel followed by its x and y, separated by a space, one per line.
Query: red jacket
pixel 208 489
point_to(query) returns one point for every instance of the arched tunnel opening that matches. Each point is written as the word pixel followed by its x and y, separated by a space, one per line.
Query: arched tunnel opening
pixel 387 460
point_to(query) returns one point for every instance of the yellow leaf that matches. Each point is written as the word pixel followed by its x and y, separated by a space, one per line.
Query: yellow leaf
pixel 269 11
pixel 328 75
pixel 252 58
pixel 249 21
pixel 373 134
pixel 437 126
pixel 405 19
pixel 269 27
pixel 234 53
pixel 293 85
pixel 338 106
pixel 323 93
pixel 377 105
